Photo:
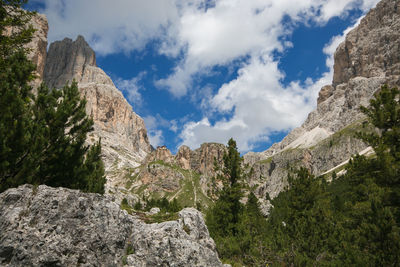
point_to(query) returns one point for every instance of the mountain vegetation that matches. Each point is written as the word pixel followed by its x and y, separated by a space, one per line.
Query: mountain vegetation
pixel 352 220
pixel 42 133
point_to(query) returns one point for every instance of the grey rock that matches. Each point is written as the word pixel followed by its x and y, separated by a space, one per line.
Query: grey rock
pixel 154 211
pixel 47 226
pixel 175 243
pixel 372 48
pixel 67 60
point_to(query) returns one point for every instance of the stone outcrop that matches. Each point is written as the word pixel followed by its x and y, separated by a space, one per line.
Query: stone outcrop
pixel 371 49
pixel 44 226
pixel 368 58
pixel 122 132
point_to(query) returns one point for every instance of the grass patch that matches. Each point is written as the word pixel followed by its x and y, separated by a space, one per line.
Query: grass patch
pixel 265 161
pixel 157 218
pixel 126 206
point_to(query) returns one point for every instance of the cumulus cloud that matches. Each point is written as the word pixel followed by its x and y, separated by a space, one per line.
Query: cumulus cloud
pixel 131 88
pixel 110 26
pixel 232 30
pixel 155 134
pixel 260 104
pixel 201 35
pixel 156 125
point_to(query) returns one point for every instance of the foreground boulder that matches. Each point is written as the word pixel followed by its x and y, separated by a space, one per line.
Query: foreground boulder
pixel 44 226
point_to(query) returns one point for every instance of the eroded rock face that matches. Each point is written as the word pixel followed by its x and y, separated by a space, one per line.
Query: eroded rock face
pixel 175 243
pixel 371 49
pixel 122 131
pixel 161 153
pixel 202 159
pixel 38 46
pixel 183 157
pixel 324 93
pixel 67 60
pixel 47 226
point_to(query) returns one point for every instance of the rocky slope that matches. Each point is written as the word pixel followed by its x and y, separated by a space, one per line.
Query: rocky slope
pixel 368 58
pixel 186 176
pixel 122 131
pixel 44 226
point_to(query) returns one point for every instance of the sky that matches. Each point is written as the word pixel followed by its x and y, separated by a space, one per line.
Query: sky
pixel 207 70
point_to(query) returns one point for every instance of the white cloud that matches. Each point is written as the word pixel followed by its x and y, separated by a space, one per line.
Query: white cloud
pixel 110 26
pixel 255 103
pixel 155 135
pixel 232 30
pixel 155 126
pixel 131 88
pixel 260 104
pixel 156 138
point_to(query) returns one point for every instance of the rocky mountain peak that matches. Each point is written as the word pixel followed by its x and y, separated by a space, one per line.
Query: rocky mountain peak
pixel 67 60
pixel 200 160
pixel 122 131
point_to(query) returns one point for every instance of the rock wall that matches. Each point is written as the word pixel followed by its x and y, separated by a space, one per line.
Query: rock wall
pixel 371 49
pixel 38 46
pixel 47 226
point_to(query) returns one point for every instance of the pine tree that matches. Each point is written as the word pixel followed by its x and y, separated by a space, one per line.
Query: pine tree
pixel 225 213
pixel 42 137
pixel 15 74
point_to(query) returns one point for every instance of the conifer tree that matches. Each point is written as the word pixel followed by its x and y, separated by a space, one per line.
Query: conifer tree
pixel 15 73
pixel 42 137
pixel 223 218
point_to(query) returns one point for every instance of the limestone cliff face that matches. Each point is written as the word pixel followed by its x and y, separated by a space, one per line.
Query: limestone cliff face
pixel 122 131
pixel 68 60
pixel 38 46
pixel 47 226
pixel 372 49
pixel 368 58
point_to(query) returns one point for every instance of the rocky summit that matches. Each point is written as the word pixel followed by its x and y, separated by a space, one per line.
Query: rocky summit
pixel 44 226
pixel 122 132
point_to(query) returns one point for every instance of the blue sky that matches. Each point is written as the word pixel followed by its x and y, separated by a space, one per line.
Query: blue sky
pixel 207 70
